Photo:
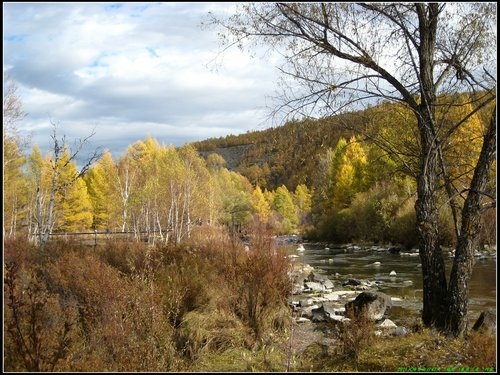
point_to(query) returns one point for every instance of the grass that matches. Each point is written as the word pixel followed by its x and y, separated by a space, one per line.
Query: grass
pixel 205 306
pixel 425 350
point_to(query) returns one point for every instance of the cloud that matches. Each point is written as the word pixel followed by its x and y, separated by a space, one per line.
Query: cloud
pixel 130 70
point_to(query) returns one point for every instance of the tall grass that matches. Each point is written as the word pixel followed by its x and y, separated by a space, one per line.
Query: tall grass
pixel 131 307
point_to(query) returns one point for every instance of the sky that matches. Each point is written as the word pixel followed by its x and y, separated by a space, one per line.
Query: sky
pixel 130 70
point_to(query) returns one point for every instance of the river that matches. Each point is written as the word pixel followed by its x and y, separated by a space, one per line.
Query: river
pixel 341 263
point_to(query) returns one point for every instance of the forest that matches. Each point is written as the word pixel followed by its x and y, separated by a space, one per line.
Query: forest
pixel 327 183
pixel 191 297
pixel 198 282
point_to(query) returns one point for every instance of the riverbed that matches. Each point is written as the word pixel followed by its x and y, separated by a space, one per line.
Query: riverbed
pixel 376 264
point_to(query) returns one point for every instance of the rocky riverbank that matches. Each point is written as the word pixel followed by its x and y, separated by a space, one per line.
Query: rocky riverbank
pixel 317 300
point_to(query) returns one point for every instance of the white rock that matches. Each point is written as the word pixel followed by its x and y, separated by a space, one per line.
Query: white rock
pixel 387 323
pixel 302 320
pixel 331 296
pixel 393 273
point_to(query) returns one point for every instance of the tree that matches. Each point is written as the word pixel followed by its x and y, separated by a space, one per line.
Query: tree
pixel 102 184
pixel 14 191
pixel 35 167
pixel 302 201
pixel 59 160
pixel 73 203
pixel 340 54
pixel 215 161
pixel 283 205
pixel 347 172
pixel 260 204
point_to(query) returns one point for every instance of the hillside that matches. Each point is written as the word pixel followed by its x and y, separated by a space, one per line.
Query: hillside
pixel 285 155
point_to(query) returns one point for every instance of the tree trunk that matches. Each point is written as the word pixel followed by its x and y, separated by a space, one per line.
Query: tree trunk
pixel 433 268
pixel 463 262
pixel 47 229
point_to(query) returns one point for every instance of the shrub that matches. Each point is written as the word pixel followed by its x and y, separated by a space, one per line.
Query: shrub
pixel 480 349
pixel 39 329
pixel 262 284
pixel 354 336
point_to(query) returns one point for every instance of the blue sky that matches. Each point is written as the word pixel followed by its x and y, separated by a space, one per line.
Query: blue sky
pixel 131 70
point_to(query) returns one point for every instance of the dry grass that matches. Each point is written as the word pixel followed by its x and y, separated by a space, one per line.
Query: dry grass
pixel 425 350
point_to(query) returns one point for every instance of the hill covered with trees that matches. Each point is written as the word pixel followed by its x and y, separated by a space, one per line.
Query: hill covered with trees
pixel 284 155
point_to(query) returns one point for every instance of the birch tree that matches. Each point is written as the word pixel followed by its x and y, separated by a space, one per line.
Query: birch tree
pixel 14 191
pixel 61 157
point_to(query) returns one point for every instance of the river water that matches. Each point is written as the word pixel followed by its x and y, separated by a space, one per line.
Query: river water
pixel 341 263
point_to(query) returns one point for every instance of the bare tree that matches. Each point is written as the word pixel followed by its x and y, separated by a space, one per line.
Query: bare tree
pixel 13 160
pixel 45 220
pixel 339 55
pixel 12 106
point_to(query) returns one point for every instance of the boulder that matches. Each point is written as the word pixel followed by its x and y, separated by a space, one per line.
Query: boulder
pixel 328 313
pixel 487 322
pixel 373 304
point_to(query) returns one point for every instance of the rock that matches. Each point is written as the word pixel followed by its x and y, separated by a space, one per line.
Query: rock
pixel 339 318
pixel 373 304
pixel 393 273
pixel 328 313
pixel 376 264
pixel 328 284
pixel 306 302
pixel 400 331
pixel 316 277
pixel 352 282
pixel 487 322
pixel 319 315
pixel 387 323
pixel 297 289
pixel 314 286
pixel 331 296
pixel 307 312
pixel 302 320
pixel 394 249
pixel 294 305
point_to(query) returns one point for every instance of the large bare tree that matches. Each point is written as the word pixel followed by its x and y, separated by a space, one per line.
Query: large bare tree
pixel 338 55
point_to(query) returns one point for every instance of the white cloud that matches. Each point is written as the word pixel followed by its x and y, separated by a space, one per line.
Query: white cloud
pixel 130 70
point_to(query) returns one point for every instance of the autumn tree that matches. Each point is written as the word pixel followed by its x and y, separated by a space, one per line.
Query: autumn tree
pixel 283 205
pixel 14 189
pixel 59 160
pixel 302 199
pixel 260 204
pixel 347 172
pixel 73 204
pixel 102 184
pixel 236 207
pixel 340 54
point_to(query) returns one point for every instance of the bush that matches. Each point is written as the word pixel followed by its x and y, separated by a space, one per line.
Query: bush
pixel 262 284
pixel 131 307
